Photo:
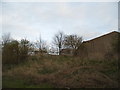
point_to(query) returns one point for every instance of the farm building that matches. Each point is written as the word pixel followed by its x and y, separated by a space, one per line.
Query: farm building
pixel 99 48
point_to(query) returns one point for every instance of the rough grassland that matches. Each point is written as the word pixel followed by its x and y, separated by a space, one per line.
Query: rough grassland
pixel 61 72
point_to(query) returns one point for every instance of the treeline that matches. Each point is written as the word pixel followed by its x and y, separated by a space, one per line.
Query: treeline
pixel 62 41
pixel 14 51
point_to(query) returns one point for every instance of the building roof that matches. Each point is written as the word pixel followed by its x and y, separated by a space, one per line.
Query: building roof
pixel 102 36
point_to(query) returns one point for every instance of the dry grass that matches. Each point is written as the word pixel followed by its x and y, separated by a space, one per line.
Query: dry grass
pixel 63 71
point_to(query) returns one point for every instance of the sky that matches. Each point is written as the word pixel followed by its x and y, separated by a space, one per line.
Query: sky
pixel 32 19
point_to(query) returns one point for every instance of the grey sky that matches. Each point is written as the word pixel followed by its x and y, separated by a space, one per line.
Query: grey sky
pixel 30 19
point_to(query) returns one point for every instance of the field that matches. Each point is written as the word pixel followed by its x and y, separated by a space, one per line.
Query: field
pixel 46 71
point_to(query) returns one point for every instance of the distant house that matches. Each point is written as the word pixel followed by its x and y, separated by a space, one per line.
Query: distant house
pixel 67 51
pixel 98 48
pixel 36 52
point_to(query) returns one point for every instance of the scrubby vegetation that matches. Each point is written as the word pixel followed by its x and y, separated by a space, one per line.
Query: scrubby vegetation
pixel 48 71
pixel 21 69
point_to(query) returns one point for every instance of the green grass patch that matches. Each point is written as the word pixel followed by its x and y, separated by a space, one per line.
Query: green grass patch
pixel 10 82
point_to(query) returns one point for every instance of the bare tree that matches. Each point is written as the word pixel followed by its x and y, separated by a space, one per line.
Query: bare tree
pixel 72 41
pixel 41 44
pixel 6 38
pixel 58 41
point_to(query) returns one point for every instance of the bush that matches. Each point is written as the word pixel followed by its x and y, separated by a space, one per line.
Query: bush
pixel 15 52
pixel 10 54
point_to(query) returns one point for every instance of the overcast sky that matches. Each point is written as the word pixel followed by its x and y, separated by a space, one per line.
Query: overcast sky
pixel 30 19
